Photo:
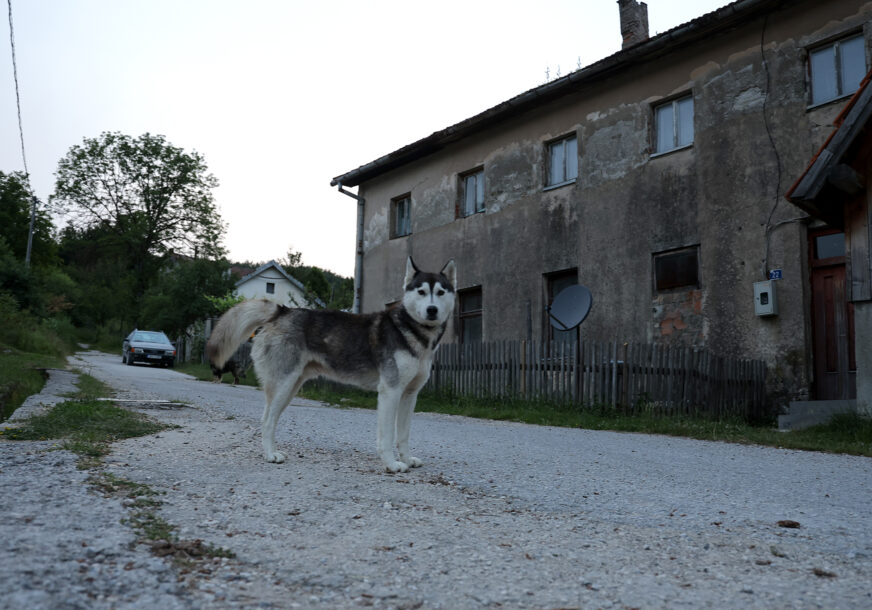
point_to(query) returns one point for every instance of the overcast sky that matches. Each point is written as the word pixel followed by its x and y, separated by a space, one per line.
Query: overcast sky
pixel 281 96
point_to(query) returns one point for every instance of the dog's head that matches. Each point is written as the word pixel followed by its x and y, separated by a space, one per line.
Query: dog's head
pixel 429 297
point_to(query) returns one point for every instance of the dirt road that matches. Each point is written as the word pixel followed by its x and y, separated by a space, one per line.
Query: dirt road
pixel 500 515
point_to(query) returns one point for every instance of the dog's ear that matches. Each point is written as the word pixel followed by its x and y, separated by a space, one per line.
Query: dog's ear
pixel 450 271
pixel 411 270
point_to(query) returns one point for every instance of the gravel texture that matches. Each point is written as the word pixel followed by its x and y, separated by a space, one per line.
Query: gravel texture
pixel 500 515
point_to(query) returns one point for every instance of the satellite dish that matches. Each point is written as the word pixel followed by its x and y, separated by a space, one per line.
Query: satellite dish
pixel 570 307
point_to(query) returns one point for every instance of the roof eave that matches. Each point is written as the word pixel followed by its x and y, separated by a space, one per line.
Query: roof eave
pixel 717 21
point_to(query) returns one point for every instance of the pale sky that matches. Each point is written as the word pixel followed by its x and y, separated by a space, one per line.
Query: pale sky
pixel 281 96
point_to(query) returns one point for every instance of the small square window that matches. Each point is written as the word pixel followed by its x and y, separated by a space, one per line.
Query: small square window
pixel 270 288
pixel 673 124
pixel 562 161
pixel 676 269
pixel 836 69
pixel 471 193
pixel 470 315
pixel 401 219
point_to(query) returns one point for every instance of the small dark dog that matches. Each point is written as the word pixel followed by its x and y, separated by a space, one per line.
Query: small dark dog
pixel 231 366
pixel 236 365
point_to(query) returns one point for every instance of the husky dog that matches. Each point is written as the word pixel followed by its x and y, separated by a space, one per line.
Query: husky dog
pixel 390 351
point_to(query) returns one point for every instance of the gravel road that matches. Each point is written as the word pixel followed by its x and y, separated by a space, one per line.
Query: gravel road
pixel 500 515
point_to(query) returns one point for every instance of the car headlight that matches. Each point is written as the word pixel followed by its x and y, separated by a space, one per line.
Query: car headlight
pixel 170 352
pixel 136 350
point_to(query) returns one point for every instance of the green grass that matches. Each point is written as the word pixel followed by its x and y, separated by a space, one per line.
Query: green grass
pixel 22 374
pixel 850 434
pixel 204 373
pixel 86 427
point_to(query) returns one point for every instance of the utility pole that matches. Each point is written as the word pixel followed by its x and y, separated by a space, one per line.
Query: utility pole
pixel 33 203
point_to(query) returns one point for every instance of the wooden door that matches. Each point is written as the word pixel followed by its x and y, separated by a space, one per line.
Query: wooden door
pixel 832 318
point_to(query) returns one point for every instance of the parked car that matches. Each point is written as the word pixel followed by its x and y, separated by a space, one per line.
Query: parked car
pixel 148 346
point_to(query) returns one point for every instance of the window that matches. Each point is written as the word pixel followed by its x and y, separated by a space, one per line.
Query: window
pixel 836 69
pixel 401 219
pixel 562 161
pixel 831 245
pixel 270 288
pixel 470 315
pixel 557 282
pixel 676 269
pixel 471 193
pixel 673 124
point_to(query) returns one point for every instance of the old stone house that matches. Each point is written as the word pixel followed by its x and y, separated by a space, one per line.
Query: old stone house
pixel 655 176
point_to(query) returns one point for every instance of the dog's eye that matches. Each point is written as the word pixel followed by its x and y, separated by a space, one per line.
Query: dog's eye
pixel 421 292
pixel 440 293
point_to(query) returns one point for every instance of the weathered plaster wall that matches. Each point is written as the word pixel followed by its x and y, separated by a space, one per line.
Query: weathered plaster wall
pixel 753 135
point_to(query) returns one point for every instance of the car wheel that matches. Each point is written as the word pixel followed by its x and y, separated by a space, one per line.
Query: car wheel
pixel 129 360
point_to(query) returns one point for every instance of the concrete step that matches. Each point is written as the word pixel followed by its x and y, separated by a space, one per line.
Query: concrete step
pixel 806 413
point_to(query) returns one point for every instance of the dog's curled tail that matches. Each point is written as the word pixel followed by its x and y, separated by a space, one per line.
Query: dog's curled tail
pixel 235 326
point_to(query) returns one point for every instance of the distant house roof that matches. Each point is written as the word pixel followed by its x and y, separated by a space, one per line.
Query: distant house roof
pixel 711 24
pixel 828 170
pixel 280 270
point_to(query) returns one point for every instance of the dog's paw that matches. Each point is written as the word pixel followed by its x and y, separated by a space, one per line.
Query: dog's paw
pixel 413 462
pixel 275 457
pixel 396 467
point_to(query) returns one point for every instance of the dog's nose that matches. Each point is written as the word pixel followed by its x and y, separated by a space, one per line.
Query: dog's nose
pixel 432 311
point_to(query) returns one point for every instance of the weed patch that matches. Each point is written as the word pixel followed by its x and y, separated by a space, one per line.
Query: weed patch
pixel 850 434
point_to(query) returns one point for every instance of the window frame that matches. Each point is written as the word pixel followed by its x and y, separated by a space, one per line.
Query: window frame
pixel 549 145
pixel 396 202
pixel 696 285
pixel 270 288
pixel 673 103
pixel 464 316
pixel 460 210
pixel 834 43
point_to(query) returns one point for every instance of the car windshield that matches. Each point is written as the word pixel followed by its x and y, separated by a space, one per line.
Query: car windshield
pixel 151 337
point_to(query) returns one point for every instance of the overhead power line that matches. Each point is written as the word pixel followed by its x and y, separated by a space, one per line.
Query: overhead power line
pixel 33 200
pixel 17 94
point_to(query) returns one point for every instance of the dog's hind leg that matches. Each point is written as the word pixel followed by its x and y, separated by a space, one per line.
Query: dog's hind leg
pixel 388 403
pixel 404 424
pixel 277 399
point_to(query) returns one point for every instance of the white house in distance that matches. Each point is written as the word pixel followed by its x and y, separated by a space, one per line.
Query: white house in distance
pixel 270 281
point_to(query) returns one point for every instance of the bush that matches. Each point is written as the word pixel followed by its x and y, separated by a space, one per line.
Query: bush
pixel 25 332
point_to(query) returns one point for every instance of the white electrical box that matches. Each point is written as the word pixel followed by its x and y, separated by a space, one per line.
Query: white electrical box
pixel 765 301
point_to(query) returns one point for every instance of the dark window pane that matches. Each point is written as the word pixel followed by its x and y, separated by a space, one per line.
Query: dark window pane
pixel 470 301
pixel 852 60
pixel 470 329
pixel 829 246
pixel 823 75
pixel 676 269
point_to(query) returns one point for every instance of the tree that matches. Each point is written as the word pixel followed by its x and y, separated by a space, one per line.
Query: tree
pixel 335 292
pixel 184 293
pixel 15 204
pixel 154 196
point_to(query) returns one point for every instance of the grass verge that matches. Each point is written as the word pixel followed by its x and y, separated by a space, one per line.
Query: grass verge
pixel 204 373
pixel 87 426
pixel 22 374
pixel 849 434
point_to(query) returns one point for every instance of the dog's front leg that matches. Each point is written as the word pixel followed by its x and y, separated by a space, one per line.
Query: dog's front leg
pixel 404 425
pixel 388 402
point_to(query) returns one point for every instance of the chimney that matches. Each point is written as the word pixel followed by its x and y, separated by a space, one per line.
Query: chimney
pixel 634 22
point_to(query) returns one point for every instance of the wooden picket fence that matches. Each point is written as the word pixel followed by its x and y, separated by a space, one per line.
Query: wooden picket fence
pixel 629 376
